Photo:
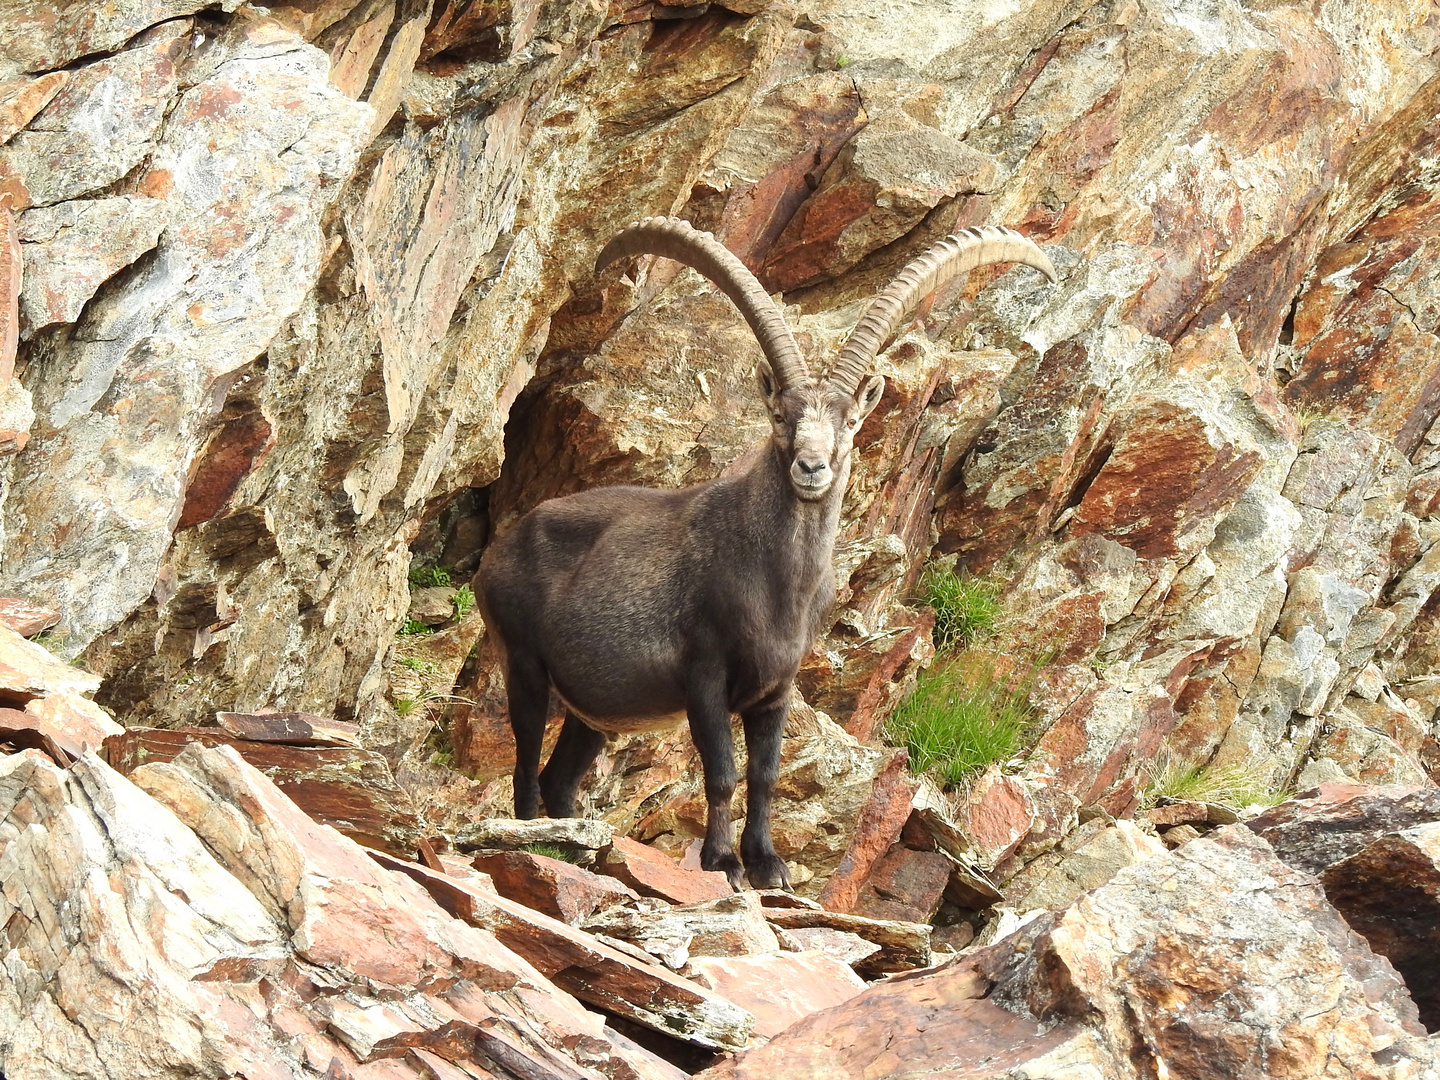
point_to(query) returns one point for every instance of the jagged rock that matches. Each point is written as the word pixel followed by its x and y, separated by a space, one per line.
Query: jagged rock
pixel 350 789
pixel 653 873
pixel 593 971
pixel 73 248
pixel 1274 985
pixel 21 99
pixel 1374 851
pixel 560 890
pixel 903 945
pixel 844 946
pixel 905 885
pixel 512 834
pixel 779 989
pixel 732 925
pixel 26 619
pixel 433 606
pixel 879 823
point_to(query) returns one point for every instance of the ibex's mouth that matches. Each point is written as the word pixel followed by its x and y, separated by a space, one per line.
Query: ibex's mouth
pixel 812 490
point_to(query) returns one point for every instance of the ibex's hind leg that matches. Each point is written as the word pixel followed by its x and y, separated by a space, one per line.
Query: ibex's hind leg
pixel 571 759
pixel 528 688
pixel 764 728
pixel 710 729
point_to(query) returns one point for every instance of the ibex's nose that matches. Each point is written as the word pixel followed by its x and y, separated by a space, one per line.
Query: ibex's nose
pixel 812 466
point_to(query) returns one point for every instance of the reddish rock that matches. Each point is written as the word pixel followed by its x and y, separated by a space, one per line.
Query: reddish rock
pixel 348 788
pixel 780 989
pixel 653 873
pixel 880 822
pixel 25 618
pixel 587 967
pixel 848 948
pixel 232 454
pixel 21 99
pixel 998 813
pixel 557 888
pixel 903 945
pixel 732 925
pixel 905 885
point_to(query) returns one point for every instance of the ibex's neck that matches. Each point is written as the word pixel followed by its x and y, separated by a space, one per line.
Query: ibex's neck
pixel 801 532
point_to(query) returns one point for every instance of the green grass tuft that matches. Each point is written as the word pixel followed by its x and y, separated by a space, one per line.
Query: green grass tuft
pixel 553 851
pixel 967 608
pixel 962 717
pixel 422 667
pixel 464 601
pixel 414 627
pixel 429 577
pixel 1235 786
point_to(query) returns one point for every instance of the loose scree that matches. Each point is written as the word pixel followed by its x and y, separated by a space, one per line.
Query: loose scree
pixel 644 607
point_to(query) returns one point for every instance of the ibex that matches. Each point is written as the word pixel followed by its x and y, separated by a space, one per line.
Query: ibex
pixel 645 607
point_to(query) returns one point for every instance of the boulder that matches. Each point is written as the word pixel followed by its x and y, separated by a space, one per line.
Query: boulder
pixel 560 890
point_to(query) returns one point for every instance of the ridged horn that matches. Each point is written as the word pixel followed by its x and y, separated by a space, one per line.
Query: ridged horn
pixel 957 254
pixel 681 241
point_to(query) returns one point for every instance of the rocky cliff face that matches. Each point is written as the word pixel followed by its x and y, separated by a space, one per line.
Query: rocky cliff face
pixel 296 297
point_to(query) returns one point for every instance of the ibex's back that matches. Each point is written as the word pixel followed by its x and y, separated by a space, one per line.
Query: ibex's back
pixel 642 607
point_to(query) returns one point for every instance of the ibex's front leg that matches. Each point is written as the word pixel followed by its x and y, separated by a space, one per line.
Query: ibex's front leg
pixel 710 729
pixel 764 728
pixel 528 688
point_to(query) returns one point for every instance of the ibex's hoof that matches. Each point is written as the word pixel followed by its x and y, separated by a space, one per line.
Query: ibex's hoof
pixel 769 872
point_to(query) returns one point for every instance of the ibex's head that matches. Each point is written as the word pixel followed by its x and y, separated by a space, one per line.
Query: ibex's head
pixel 813 421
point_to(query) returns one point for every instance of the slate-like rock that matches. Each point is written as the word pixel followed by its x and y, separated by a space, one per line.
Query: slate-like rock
pixel 557 888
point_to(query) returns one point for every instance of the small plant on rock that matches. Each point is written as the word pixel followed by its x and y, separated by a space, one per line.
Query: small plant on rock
pixel 464 601
pixel 1235 785
pixel 429 577
pixel 966 608
pixel 414 627
pixel 553 851
pixel 963 716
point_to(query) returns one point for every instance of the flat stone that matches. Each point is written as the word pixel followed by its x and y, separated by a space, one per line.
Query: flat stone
pixel 30 670
pixel 844 946
pixel 653 873
pixel 733 925
pixel 779 989
pixel 512 834
pixel 903 945
pixel 905 885
pixel 880 822
pixel 433 606
pixel 347 788
pixel 290 728
pixel 557 888
pixel 25 618
pixel 588 968
pixel 71 249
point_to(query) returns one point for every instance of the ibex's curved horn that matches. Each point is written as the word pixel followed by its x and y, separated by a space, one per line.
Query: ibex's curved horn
pixel 951 257
pixel 681 241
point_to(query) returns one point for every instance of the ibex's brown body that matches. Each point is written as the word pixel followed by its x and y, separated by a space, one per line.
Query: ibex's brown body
pixel 643 608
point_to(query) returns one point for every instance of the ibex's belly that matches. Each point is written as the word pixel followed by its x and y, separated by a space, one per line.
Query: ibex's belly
pixel 629 725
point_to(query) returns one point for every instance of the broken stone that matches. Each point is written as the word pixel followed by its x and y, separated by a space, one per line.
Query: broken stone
pixel 350 789
pixel 432 606
pixel 905 885
pixel 1101 975
pixel 1180 834
pixel 593 971
pixel 653 873
pixel 880 822
pixel 557 888
pixel 24 618
pixel 903 945
pixel 779 989
pixel 1084 867
pixel 844 946
pixel 513 834
pixel 733 925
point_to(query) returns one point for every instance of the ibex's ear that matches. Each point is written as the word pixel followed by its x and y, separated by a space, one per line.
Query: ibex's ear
pixel 868 396
pixel 768 384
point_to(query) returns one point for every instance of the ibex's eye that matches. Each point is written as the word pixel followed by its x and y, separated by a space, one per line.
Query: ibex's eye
pixel 851 422
pixel 779 418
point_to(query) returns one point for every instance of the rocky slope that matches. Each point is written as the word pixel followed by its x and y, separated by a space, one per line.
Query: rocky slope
pixel 297 298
